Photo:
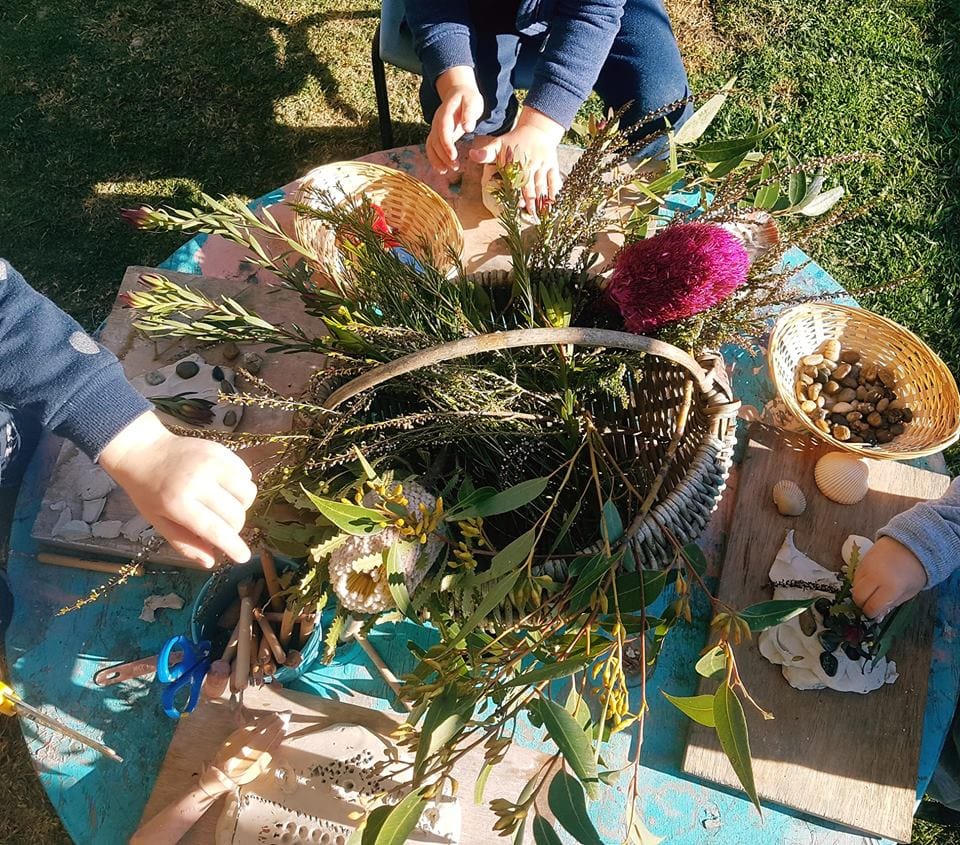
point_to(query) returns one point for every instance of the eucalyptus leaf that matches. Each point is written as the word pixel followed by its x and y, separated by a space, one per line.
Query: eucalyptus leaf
pixel 731 727
pixel 822 203
pixel 697 707
pixel 767 614
pixel 549 672
pixel 767 197
pixel 543 833
pixel 696 558
pixel 894 625
pixel 445 717
pixel 797 185
pixel 587 582
pixel 506 500
pixel 713 663
pixel 401 821
pixel 720 151
pixel 637 590
pixel 396 582
pixel 721 169
pixel 353 519
pixel 481 784
pixel 577 707
pixel 368 470
pixel 612 528
pixel 492 599
pixel 700 120
pixel 505 561
pixel 571 740
pixel 567 801
pixel 373 823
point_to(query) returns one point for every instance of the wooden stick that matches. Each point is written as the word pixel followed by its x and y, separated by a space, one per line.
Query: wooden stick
pixel 306 628
pixel 230 650
pixel 90 565
pixel 273 580
pixel 286 627
pixel 270 637
pixel 241 666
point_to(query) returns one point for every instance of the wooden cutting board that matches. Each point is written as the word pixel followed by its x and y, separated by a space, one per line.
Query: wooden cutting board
pixel 198 739
pixel 844 757
pixel 287 374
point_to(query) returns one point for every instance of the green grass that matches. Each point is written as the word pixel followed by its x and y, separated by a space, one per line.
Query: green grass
pixel 105 104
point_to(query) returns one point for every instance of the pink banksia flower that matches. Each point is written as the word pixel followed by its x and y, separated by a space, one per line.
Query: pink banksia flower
pixel 679 272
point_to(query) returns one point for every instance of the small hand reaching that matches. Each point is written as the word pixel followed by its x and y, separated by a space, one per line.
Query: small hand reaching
pixel 533 142
pixel 194 492
pixel 888 575
pixel 460 108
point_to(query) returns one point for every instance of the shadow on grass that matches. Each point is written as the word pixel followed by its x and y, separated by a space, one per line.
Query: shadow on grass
pixel 106 103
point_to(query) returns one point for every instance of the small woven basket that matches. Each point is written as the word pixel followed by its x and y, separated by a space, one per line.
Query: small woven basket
pixel 681 456
pixel 419 217
pixel 923 381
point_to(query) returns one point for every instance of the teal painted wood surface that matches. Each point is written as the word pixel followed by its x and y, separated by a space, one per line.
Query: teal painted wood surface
pixel 53 660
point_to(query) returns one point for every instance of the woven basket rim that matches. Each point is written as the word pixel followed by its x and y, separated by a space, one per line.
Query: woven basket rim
pixel 786 392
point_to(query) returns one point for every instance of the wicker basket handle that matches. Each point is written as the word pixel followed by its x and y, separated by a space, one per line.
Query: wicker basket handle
pixel 494 341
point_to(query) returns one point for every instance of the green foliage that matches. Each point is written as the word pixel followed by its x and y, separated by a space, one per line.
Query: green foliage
pixel 567 802
pixel 731 727
pixel 700 708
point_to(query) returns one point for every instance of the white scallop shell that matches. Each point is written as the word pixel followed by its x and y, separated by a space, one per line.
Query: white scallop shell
pixel 789 498
pixel 842 478
pixel 864 545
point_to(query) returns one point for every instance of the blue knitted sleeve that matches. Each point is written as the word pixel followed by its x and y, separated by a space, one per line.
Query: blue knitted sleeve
pixel 53 370
pixel 441 34
pixel 931 530
pixel 581 35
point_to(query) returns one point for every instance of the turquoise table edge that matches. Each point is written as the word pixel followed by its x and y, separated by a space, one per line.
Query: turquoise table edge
pixel 101 801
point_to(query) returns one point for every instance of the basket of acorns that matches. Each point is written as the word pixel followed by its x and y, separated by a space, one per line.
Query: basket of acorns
pixel 862 382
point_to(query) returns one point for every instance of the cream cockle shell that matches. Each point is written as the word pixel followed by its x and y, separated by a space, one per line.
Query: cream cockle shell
pixel 789 498
pixel 842 478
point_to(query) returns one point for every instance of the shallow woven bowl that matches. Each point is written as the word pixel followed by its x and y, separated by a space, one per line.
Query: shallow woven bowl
pixel 922 379
pixel 420 218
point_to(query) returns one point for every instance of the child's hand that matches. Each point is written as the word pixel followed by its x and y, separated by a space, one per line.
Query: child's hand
pixel 194 492
pixel 888 575
pixel 534 143
pixel 461 107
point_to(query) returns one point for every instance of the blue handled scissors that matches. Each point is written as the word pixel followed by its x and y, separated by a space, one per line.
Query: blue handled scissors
pixel 190 670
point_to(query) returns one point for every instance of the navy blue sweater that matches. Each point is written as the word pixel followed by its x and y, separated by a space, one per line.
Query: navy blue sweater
pixel 581 35
pixel 51 369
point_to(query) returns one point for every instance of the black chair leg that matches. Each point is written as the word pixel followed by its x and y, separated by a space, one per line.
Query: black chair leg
pixel 380 89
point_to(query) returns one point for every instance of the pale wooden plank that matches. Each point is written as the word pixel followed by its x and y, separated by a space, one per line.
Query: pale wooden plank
pixel 847 758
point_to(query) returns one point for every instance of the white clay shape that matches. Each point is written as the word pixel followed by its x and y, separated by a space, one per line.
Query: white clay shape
pixel 843 478
pixel 797 654
pixel 151 604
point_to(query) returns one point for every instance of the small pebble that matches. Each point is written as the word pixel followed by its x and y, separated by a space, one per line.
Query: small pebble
pixel 251 362
pixel 831 349
pixel 154 377
pixel 850 357
pixel 230 350
pixel 854 416
pixel 808 406
pixel 823 425
pixel 814 360
pixel 897 429
pixel 806 379
pixel 841 432
pixel 813 391
pixel 841 372
pixel 831 387
pixel 230 418
pixel 861 393
pixel 875 420
pixel 887 376
pixel 869 372
pixel 884 435
pixel 187 369
pixel 848 394
pixel 883 404
pixel 842 408
pixel 907 414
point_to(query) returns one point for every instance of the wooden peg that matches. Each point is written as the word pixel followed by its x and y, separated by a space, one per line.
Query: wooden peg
pixel 273 580
pixel 286 627
pixel 241 666
pixel 270 637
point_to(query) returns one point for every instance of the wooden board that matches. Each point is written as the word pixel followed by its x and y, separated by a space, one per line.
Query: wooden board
pixel 287 374
pixel 848 758
pixel 199 737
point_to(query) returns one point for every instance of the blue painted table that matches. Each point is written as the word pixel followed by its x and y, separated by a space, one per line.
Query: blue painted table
pixel 53 659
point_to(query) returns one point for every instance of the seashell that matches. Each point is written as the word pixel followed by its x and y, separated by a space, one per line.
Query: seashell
pixel 756 230
pixel 864 545
pixel 789 498
pixel 842 478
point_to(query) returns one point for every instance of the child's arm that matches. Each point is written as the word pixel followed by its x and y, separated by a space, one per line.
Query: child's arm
pixel 915 551
pixel 581 35
pixel 194 492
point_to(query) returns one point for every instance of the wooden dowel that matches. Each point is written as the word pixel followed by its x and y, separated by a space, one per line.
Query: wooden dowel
pixel 286 627
pixel 90 565
pixel 230 650
pixel 270 637
pixel 273 580
pixel 241 666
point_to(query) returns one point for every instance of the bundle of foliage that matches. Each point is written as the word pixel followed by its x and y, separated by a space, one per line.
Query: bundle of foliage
pixel 480 495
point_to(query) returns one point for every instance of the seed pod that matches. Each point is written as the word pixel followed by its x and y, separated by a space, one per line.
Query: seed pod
pixel 853 416
pixel 823 425
pixel 837 419
pixel 875 420
pixel 866 408
pixel 861 393
pixel 887 377
pixel 841 432
pixel 884 435
pixel 805 379
pixel 869 372
pixel 907 415
pixel 897 429
pixel 846 395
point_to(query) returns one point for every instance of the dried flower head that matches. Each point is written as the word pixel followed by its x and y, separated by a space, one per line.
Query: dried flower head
pixel 677 273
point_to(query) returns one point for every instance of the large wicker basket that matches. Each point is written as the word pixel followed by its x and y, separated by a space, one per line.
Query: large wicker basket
pixel 420 218
pixel 681 452
pixel 922 379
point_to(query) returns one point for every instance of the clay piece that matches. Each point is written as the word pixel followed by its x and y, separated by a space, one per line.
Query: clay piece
pixel 96 484
pixel 193 378
pixel 317 786
pixel 798 651
pixel 134 528
pixel 72 529
pixel 92 508
pixel 106 530
pixel 151 604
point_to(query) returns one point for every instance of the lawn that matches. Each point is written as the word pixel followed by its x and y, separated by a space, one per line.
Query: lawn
pixel 105 104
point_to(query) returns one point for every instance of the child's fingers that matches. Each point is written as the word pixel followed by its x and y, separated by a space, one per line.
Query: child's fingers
pixel 554 183
pixel 242 489
pixel 226 507
pixel 186 543
pixel 486 151
pixel 540 182
pixel 449 132
pixel 432 156
pixel 530 195
pixel 471 110
pixel 211 528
